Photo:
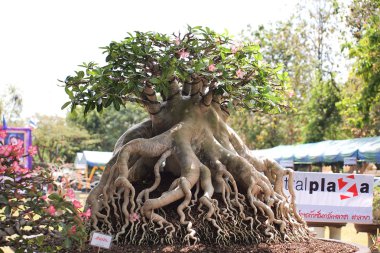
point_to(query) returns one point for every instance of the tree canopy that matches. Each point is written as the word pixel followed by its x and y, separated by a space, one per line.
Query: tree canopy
pixel 233 69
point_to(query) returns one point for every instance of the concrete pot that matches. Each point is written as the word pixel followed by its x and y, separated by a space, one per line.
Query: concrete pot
pixel 362 249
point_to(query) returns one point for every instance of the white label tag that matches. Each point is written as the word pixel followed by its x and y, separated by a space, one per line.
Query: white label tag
pixel 101 240
pixel 350 161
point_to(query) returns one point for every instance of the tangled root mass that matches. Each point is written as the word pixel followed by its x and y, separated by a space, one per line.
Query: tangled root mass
pixel 185 176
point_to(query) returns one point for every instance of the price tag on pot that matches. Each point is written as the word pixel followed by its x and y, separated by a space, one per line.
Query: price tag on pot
pixel 101 240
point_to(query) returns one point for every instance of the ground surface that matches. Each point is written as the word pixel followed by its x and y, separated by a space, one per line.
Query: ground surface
pixel 314 246
pixel 348 235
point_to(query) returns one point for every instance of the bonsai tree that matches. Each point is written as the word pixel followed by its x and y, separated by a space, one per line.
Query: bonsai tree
pixel 185 157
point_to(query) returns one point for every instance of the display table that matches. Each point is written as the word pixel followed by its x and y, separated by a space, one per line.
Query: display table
pixel 370 229
pixel 335 229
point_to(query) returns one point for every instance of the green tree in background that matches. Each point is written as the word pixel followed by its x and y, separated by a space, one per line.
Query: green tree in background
pixel 318 110
pixel 11 104
pixel 56 139
pixel 361 104
pixel 322 112
pixel 303 45
pixel 108 125
pixel 283 43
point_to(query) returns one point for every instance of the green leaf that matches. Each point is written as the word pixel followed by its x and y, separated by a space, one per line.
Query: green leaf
pixel 80 74
pixel 65 105
pixel 154 80
pixel 87 107
pixel 67 243
pixel 69 92
pixel 7 210
pixel 3 200
pixel 55 196
pixel 116 104
pixel 99 107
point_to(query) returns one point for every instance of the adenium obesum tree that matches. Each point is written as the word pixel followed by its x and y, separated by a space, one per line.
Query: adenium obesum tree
pixel 185 157
pixel 35 215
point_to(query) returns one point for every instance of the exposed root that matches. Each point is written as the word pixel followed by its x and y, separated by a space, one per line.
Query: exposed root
pixel 210 168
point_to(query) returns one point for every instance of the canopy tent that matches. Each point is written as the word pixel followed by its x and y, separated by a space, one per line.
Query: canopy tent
pixel 79 162
pixel 365 149
pixel 92 158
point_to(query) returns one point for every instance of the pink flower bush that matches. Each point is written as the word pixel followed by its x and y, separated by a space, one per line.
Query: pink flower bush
pixel 212 67
pixel 24 190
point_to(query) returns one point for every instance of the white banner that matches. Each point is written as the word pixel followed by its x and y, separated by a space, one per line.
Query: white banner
pixel 329 197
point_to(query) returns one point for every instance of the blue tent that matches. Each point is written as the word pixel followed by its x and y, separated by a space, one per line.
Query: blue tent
pixel 365 149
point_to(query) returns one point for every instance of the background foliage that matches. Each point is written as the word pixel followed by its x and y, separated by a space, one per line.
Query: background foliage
pixel 330 50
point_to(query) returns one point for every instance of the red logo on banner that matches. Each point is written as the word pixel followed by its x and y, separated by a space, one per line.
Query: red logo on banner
pixel 348 182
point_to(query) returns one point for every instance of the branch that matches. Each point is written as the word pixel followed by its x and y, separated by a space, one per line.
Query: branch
pixel 135 100
pixel 209 97
pixel 149 94
pixel 174 89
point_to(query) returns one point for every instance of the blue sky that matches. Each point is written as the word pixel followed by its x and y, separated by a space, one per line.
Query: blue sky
pixel 45 40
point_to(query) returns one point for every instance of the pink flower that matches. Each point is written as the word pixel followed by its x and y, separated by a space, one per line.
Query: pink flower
pixel 134 217
pixel 73 229
pixel 50 188
pixel 239 73
pixel 77 204
pixel 32 150
pixel 27 175
pixel 86 214
pixel 70 193
pixel 234 49
pixel 183 54
pixel 44 198
pixel 3 134
pixel 51 210
pixel 18 169
pixel 177 41
pixel 211 67
pixel 2 169
pixel 290 93
pixel 17 150
pixel 5 150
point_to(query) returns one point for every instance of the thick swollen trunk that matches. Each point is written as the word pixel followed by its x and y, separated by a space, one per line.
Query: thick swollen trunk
pixel 220 191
